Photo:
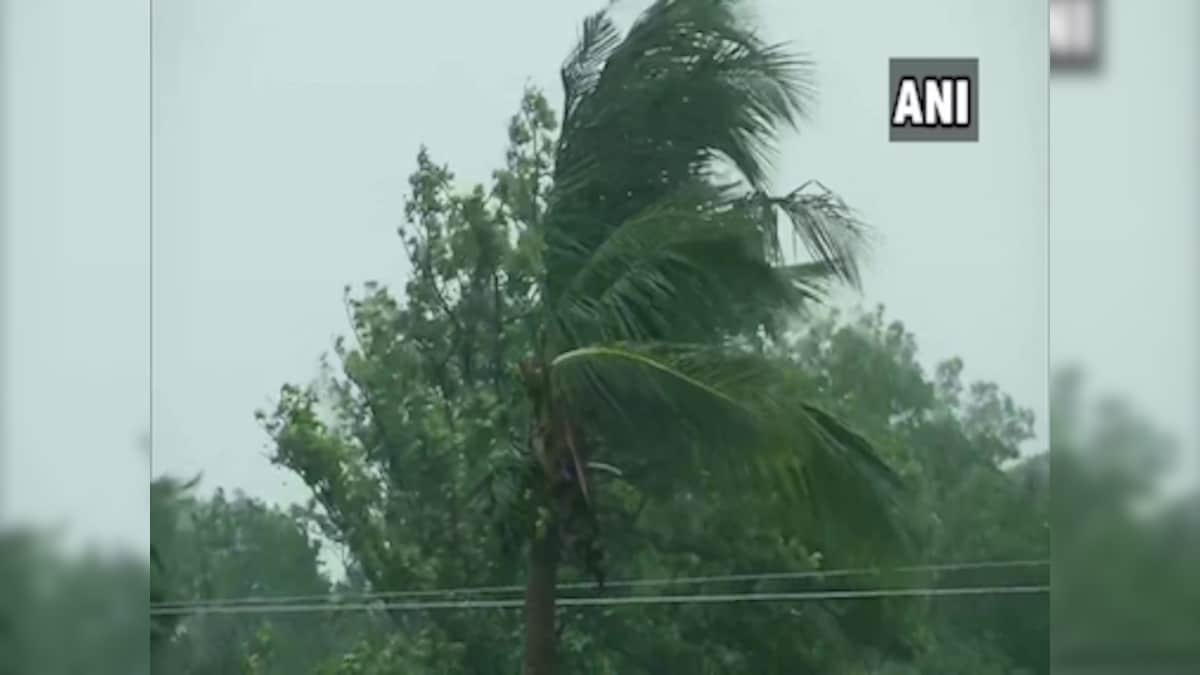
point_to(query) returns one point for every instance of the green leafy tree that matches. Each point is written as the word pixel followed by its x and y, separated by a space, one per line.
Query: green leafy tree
pixel 1114 532
pixel 630 271
pixel 66 613
pixel 952 442
pixel 220 548
pixel 974 496
pixel 168 497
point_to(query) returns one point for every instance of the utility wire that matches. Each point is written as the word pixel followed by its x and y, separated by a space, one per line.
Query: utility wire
pixel 588 585
pixel 608 601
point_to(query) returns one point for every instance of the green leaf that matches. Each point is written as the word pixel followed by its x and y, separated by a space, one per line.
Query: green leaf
pixel 736 411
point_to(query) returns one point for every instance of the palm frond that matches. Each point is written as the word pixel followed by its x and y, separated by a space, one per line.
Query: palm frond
pixel 827 227
pixel 731 411
pixel 581 71
pixel 689 88
pixel 693 267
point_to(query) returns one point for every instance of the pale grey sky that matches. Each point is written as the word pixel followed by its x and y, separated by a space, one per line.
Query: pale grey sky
pixel 284 133
pixel 73 194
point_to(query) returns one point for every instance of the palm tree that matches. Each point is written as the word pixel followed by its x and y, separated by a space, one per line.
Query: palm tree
pixel 664 276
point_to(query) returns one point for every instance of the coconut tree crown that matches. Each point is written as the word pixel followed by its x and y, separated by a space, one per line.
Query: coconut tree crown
pixel 664 270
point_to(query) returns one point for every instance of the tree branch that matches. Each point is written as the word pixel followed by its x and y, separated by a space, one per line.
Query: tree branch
pixel 427 270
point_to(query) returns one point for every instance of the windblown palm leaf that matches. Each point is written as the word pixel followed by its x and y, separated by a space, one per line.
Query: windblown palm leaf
pixel 688 91
pixel 658 407
pixel 652 120
pixel 690 267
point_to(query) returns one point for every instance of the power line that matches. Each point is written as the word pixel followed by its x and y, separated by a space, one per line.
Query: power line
pixel 628 583
pixel 723 598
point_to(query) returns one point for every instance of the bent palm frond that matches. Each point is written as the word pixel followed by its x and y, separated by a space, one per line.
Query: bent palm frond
pixel 694 267
pixel 701 264
pixel 581 71
pixel 827 227
pixel 687 90
pixel 731 411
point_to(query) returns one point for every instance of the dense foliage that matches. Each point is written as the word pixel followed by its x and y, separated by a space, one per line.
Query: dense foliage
pixel 65 614
pixel 952 442
pixel 636 246
pixel 221 548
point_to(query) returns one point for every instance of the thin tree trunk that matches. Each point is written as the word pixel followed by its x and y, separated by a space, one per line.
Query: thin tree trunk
pixel 540 633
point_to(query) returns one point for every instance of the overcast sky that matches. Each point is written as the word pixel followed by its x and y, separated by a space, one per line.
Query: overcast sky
pixel 283 136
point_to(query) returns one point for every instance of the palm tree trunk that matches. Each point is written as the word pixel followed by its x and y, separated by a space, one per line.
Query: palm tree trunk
pixel 540 633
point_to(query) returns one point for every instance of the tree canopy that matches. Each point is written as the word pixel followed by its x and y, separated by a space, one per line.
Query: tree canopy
pixel 651 286
pixel 975 504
